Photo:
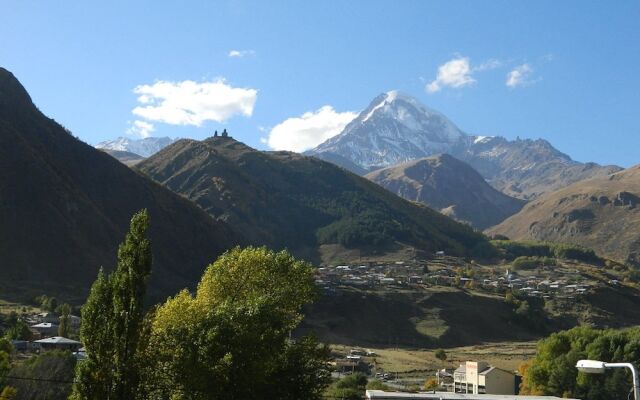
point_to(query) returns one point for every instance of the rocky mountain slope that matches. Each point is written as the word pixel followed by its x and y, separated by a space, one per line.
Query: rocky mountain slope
pixel 396 128
pixel 393 129
pixel 65 207
pixel 449 185
pixel 143 147
pixel 125 157
pixel 526 168
pixel 601 213
pixel 284 199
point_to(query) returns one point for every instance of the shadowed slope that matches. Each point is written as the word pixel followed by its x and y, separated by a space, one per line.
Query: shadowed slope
pixel 65 206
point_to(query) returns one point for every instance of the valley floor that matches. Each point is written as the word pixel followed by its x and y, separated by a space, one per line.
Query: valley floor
pixel 505 355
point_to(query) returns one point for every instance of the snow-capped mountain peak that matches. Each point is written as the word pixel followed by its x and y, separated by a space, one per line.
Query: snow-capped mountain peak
pixel 394 128
pixel 144 147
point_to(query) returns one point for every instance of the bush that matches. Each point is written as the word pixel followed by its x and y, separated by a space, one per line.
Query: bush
pixel 351 387
pixel 376 384
pixel 47 376
pixel 431 384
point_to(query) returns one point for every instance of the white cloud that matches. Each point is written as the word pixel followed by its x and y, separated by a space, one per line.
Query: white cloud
pixel 520 76
pixel 488 65
pixel 455 73
pixel 241 53
pixel 140 128
pixel 309 130
pixel 547 57
pixel 192 103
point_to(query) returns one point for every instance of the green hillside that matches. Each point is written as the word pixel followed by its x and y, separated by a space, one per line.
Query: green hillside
pixel 65 206
pixel 286 200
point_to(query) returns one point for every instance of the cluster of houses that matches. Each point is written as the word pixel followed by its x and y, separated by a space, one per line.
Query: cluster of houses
pixel 46 324
pixel 370 275
pixel 449 271
pixel 546 287
pixel 354 361
pixel 44 330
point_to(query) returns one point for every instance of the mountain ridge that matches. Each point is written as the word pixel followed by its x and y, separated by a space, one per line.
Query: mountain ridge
pixel 394 115
pixel 451 186
pixel 398 128
pixel 600 213
pixel 284 199
pixel 65 206
pixel 144 147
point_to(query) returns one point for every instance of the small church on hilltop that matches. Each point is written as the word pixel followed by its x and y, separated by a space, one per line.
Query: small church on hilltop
pixel 224 133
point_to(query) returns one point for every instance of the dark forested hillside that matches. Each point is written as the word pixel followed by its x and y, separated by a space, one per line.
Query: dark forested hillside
pixel 283 199
pixel 65 206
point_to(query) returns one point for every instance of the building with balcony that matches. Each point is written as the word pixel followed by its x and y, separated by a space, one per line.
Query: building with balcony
pixel 479 378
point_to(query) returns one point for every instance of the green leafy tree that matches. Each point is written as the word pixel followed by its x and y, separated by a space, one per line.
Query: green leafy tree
pixel 113 319
pixel 44 377
pixel 5 366
pixel 18 331
pixel 65 311
pixel 230 340
pixel 94 376
pixel 553 372
pixel 129 283
pixel 351 387
pixel 5 359
pixel 441 355
pixel 52 304
pixel 8 393
pixel 6 346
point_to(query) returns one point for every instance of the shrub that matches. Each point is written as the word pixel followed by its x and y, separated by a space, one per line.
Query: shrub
pixel 431 384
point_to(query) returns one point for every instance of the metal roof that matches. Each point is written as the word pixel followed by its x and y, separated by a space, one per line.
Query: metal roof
pixel 383 395
pixel 57 340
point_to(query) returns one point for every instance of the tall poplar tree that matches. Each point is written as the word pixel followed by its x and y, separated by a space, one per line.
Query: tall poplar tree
pixel 112 322
pixel 65 311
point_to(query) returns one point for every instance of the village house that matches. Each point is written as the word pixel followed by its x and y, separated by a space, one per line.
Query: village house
pixel 57 343
pixel 48 317
pixel 480 378
pixel 384 395
pixel 45 329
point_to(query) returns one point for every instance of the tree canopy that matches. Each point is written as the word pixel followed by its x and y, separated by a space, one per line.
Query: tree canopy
pixel 230 339
pixel 112 322
pixel 553 371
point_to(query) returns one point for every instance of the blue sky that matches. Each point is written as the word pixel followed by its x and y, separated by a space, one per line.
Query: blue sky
pixel 576 66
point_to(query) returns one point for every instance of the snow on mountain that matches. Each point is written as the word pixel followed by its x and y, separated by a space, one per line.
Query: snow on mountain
pixel 144 147
pixel 394 128
pixel 482 139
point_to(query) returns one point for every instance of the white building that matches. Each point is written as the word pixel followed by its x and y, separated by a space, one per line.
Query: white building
pixel 383 395
pixel 480 378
